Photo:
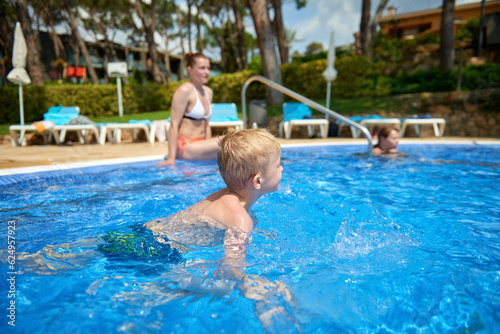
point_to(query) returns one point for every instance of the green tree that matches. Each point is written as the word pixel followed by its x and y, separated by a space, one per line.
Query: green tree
pixel 314 48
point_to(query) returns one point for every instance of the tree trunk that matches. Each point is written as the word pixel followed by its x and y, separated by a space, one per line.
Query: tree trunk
pixel 241 33
pixel 48 19
pixel 221 41
pixel 76 52
pixel 166 60
pixel 198 29
pixel 447 52
pixel 189 24
pixel 81 43
pixel 183 61
pixel 108 45
pixel 267 50
pixel 6 34
pixel 149 30
pixel 373 26
pixel 235 52
pixel 280 31
pixel 33 58
pixel 6 39
pixel 364 28
pixel 58 44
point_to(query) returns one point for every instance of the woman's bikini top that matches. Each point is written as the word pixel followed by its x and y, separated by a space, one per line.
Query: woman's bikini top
pixel 198 111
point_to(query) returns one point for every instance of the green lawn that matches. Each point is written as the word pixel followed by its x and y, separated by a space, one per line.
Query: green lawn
pixel 152 116
pixel 348 107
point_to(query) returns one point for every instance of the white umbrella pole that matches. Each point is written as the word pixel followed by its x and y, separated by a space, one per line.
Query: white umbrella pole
pixel 328 89
pixel 119 88
pixel 21 104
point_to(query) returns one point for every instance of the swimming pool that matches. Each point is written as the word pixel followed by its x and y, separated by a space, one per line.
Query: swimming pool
pixel 363 245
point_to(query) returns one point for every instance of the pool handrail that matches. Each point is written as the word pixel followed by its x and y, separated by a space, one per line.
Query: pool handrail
pixel 304 100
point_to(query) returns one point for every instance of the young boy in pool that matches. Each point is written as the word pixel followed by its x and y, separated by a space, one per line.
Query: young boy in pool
pixel 250 165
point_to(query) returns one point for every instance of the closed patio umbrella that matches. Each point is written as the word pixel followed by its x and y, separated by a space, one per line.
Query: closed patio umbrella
pixel 330 73
pixel 18 75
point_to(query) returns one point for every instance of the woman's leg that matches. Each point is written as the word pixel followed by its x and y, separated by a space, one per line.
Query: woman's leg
pixel 200 150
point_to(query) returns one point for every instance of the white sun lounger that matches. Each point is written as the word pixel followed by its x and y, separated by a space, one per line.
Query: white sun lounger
pixel 60 116
pixel 58 132
pixel 82 130
pixel 23 129
pixel 114 130
pixel 370 122
pixel 438 124
pixel 299 114
pixel 225 115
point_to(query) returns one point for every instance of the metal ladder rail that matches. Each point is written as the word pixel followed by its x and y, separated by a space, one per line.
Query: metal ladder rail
pixel 304 100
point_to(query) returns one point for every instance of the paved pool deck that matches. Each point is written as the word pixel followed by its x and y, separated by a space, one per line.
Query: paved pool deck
pixel 25 159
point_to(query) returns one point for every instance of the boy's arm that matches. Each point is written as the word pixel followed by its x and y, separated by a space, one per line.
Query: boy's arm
pixel 273 299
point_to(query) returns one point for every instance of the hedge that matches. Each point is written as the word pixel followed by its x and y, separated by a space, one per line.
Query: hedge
pixel 357 76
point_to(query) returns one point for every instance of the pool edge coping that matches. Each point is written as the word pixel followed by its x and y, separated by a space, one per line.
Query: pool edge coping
pixel 117 161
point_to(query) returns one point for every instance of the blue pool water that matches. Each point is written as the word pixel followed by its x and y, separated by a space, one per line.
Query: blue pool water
pixel 359 244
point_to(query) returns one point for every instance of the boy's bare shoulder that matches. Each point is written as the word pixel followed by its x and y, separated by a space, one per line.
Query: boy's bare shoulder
pixel 229 211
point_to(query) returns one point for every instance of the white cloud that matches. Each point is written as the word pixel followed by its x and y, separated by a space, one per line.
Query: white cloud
pixel 316 22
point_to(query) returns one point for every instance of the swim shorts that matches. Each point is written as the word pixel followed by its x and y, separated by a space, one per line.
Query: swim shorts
pixel 137 242
pixel 182 142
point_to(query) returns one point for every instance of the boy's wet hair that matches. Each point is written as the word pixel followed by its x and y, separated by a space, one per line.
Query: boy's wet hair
pixel 244 153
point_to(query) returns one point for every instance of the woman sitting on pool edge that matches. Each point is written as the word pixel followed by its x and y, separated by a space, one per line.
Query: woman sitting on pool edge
pixel 388 139
pixel 190 136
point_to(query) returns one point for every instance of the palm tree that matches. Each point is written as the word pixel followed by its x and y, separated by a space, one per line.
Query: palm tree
pixel 364 28
pixel 268 55
pixel 447 41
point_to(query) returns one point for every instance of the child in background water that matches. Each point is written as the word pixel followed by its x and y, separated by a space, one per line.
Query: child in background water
pixel 388 139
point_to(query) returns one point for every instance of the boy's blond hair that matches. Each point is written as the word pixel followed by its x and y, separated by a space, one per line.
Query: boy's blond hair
pixel 244 153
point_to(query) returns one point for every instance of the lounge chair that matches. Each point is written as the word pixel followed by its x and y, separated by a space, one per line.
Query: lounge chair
pixel 23 129
pixel 114 130
pixel 299 114
pixel 60 117
pixel 438 124
pixel 225 115
pixel 369 122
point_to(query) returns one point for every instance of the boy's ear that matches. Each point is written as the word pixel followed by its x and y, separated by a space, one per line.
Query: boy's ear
pixel 256 181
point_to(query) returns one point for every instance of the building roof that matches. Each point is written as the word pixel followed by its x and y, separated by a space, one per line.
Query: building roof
pixel 438 10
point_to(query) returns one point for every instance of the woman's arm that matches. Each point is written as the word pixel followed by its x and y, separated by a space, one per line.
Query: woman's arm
pixel 179 105
pixel 208 129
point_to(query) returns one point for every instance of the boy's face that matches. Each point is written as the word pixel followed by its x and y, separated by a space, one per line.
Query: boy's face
pixel 271 177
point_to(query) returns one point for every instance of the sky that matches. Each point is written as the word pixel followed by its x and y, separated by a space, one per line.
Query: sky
pixel 316 21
